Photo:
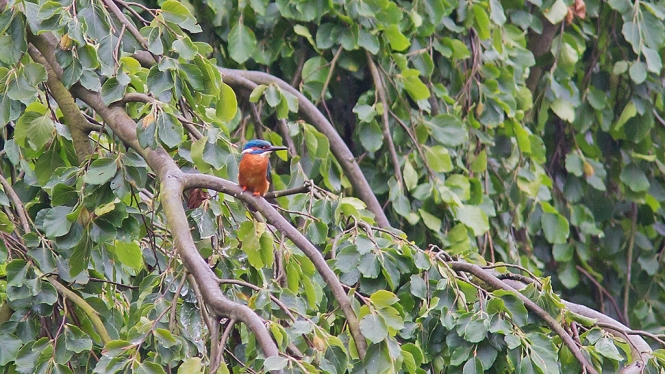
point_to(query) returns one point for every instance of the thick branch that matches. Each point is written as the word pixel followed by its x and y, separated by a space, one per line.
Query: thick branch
pixel 539 44
pixel 532 306
pixel 239 79
pixel 283 226
pixel 171 190
pixel 79 127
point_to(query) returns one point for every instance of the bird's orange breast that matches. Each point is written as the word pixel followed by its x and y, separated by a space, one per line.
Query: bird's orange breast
pixel 252 173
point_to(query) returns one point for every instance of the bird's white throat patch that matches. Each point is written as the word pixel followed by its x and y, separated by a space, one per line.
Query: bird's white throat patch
pixel 250 150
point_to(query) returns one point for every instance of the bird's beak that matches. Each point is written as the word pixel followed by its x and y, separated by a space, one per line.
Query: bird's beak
pixel 277 148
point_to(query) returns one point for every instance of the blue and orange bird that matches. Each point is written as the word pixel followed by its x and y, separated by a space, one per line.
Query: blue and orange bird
pixel 254 166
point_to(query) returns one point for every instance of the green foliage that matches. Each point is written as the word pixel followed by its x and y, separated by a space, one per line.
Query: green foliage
pixel 559 172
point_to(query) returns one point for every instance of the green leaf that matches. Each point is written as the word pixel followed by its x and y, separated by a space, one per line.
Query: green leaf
pixel 638 72
pixel 479 163
pixel 448 130
pixel 563 108
pixel 6 225
pixel 606 347
pixel 112 91
pixel 55 224
pixel 34 130
pixel 383 298
pixel 557 12
pixel 227 104
pixel 397 40
pixel 158 81
pixel 438 159
pixel 275 363
pixel 368 41
pixel 185 48
pixel 46 165
pixel 242 43
pixel 101 171
pixel 76 340
pixel 473 366
pixel 413 85
pixel 373 328
pixel 169 130
pixel 634 178
pixel 555 227
pixel 431 221
pixel 371 136
pixel 482 22
pixel 473 217
pixel 13 44
pixel 410 176
pixel 174 11
pixel 80 255
pixel 249 234
pixel 192 365
pixel 9 347
pixel 129 254
pixel 304 32
pixel 34 73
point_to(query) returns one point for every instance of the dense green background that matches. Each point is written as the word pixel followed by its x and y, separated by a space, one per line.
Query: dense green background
pixel 524 132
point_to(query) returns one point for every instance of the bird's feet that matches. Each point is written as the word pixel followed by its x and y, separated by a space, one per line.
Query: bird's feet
pixel 257 193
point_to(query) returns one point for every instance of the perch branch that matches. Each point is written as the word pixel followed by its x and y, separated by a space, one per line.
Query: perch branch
pixel 240 78
pixel 282 225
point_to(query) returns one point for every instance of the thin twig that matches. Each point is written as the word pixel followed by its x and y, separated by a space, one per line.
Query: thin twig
pixel 604 291
pixel 125 22
pixel 18 204
pixel 257 289
pixel 629 262
pixel 381 93
pixel 307 187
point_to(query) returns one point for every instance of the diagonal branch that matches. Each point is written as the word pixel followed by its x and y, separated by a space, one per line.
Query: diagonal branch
pixel 18 204
pixel 283 226
pixel 532 306
pixel 171 195
pixel 381 93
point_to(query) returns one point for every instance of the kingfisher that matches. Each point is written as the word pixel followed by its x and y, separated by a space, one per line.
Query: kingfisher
pixel 254 167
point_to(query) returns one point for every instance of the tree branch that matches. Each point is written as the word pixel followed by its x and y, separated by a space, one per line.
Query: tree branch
pixel 85 307
pixel 18 204
pixel 532 306
pixel 78 125
pixel 171 190
pixel 381 93
pixel 245 79
pixel 281 224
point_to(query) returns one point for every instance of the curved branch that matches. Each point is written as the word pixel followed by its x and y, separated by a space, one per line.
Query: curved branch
pixel 282 225
pixel 171 190
pixel 245 79
pixel 532 306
